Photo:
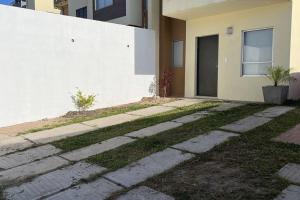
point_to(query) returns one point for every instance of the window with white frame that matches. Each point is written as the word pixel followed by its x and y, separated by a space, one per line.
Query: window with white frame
pixel 178 54
pixel 257 51
pixel 99 4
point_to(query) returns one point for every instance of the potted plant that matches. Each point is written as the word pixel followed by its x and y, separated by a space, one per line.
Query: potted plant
pixel 277 94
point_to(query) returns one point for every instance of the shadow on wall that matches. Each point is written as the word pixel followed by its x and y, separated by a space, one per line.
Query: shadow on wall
pixel 294 93
pixel 144 51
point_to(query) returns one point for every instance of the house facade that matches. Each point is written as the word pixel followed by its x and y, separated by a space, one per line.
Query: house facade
pixel 231 43
pixel 40 5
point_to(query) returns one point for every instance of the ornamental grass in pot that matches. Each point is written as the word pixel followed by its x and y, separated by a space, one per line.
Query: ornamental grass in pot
pixel 277 93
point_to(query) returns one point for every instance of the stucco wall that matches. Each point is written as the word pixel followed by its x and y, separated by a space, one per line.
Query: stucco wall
pixel 295 50
pixel 44 57
pixel 76 4
pixel 231 84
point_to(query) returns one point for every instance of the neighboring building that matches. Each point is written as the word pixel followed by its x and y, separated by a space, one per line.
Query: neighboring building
pixel 136 13
pixel 62 5
pixel 20 3
pixel 230 44
pixel 40 5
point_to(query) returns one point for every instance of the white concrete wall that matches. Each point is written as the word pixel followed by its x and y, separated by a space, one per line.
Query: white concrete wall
pixel 41 66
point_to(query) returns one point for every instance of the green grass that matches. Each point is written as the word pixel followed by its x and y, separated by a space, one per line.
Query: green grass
pixel 129 153
pixel 253 153
pixel 105 113
pixel 100 135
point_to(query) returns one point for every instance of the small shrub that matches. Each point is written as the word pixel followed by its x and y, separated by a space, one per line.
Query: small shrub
pixel 279 74
pixel 165 82
pixel 83 102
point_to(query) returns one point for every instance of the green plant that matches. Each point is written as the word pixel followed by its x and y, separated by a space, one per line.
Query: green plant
pixel 279 74
pixel 83 102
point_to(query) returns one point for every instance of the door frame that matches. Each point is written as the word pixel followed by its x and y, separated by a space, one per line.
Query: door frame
pixel 196 66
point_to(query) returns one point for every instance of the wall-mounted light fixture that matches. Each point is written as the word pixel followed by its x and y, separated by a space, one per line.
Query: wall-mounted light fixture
pixel 229 30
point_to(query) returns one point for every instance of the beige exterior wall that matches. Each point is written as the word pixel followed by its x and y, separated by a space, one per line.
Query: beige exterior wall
pixel 295 49
pixel 76 4
pixel 43 5
pixel 231 85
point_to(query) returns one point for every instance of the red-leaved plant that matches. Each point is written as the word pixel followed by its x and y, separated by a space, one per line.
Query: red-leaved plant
pixel 165 82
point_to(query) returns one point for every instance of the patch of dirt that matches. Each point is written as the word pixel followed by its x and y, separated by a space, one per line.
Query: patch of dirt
pixel 44 123
pixel 206 181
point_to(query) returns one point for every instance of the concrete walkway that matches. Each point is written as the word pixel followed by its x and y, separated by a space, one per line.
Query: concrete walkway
pixel 150 166
pixel 112 182
pixel 13 144
pixel 25 171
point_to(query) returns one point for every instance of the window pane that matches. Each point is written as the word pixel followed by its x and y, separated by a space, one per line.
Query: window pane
pixel 258 46
pixel 178 53
pixel 103 3
pixel 256 69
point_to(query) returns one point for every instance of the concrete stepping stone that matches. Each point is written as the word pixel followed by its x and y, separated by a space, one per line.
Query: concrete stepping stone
pixel 14 144
pixel 32 169
pixel 290 172
pixel 52 182
pixel 291 136
pixel 151 111
pixel 111 120
pixel 145 193
pixel 204 143
pixel 30 155
pixel 184 102
pixel 47 136
pixel 148 167
pixel 97 190
pixel 291 193
pixel 246 124
pixel 226 106
pixel 274 111
pixel 153 130
pixel 192 117
pixel 95 149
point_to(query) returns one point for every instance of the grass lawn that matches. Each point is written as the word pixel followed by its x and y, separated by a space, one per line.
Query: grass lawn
pixel 244 168
pixel 129 153
pixel 64 121
pixel 118 130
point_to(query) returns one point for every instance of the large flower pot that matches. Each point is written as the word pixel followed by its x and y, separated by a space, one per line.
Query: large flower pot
pixel 275 95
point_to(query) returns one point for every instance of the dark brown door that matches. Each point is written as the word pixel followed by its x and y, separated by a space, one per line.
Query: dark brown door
pixel 207 66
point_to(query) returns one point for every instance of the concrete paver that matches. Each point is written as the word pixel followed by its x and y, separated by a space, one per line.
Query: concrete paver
pixel 153 130
pixel 14 144
pixel 111 120
pixel 291 193
pixel 274 111
pixel 226 106
pixel 184 102
pixel 191 118
pixel 291 172
pixel 97 190
pixel 291 136
pixel 144 193
pixel 246 124
pixel 52 182
pixel 35 168
pixel 204 143
pixel 30 155
pixel 95 149
pixel 151 111
pixel 150 166
pixel 47 136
